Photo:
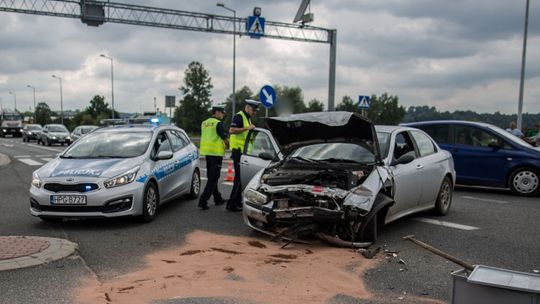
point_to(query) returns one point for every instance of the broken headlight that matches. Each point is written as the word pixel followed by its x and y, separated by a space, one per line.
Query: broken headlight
pixel 255 197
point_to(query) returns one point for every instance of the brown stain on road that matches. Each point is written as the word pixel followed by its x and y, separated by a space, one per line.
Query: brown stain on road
pixel 212 265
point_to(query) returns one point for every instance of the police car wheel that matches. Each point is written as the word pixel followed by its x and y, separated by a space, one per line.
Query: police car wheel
pixel 195 184
pixel 150 202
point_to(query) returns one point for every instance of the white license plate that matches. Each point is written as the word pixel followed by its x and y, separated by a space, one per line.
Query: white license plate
pixel 68 199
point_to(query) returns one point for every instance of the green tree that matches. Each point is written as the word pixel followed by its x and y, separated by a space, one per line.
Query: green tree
pixel 195 106
pixel 385 110
pixel 43 113
pixel 241 95
pixel 315 105
pixel 347 104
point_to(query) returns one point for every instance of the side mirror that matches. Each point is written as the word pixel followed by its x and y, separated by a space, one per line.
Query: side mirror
pixel 496 145
pixel 45 131
pixel 267 155
pixel 403 159
pixel 163 155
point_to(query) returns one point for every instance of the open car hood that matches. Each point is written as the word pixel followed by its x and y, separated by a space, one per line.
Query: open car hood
pixel 297 130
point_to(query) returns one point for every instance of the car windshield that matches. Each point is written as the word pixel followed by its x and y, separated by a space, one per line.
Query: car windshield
pixel 85 130
pixel 384 143
pixel 110 145
pixel 12 117
pixel 57 129
pixel 335 153
pixel 510 137
pixel 34 128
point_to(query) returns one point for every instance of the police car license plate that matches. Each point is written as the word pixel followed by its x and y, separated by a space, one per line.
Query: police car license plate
pixel 68 199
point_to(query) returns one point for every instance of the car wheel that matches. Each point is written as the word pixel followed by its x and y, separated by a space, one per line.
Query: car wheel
pixel 444 198
pixel 150 202
pixel 370 231
pixel 525 182
pixel 195 184
pixel 48 142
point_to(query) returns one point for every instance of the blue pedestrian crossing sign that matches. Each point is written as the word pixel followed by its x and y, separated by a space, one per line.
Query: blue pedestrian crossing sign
pixel 255 26
pixel 267 96
pixel 363 102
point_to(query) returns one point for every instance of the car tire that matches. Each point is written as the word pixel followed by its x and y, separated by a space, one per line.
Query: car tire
pixel 150 202
pixel 24 139
pixel 48 143
pixel 195 184
pixel 444 198
pixel 525 182
pixel 370 231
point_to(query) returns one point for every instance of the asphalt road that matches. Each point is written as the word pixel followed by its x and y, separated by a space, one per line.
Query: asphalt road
pixel 484 227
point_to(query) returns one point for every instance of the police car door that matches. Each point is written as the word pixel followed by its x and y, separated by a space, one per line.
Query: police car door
pixel 183 162
pixel 259 150
pixel 162 168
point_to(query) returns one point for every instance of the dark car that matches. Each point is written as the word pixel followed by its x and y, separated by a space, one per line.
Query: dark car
pixel 486 155
pixel 54 134
pixel 32 131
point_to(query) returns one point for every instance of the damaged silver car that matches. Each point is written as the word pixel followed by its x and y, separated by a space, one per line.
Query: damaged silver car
pixel 336 176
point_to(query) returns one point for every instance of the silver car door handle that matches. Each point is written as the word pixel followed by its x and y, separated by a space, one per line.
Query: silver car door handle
pixel 245 162
pixel 419 167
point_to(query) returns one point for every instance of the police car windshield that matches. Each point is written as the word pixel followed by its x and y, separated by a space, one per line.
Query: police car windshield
pixel 110 145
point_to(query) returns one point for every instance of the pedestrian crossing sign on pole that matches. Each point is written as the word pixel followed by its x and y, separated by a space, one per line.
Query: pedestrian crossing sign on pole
pixel 255 26
pixel 363 102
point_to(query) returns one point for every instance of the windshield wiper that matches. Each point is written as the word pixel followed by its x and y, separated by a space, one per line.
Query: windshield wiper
pixel 340 160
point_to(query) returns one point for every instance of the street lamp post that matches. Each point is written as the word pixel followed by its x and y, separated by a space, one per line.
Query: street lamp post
pixel 112 82
pixel 14 99
pixel 61 99
pixel 220 4
pixel 522 79
pixel 34 89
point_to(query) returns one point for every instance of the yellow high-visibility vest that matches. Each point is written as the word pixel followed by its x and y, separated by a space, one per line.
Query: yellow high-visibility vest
pixel 211 143
pixel 237 141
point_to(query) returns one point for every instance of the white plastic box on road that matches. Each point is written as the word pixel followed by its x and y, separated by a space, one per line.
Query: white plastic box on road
pixel 490 285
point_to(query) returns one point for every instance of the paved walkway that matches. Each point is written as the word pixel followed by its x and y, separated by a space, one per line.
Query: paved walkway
pixel 25 251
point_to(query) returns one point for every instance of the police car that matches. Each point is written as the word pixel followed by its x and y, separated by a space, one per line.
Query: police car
pixel 117 171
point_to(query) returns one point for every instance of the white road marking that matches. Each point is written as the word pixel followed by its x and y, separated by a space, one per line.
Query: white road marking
pixel 30 162
pixel 7 145
pixel 22 156
pixel 47 159
pixel 204 178
pixel 228 183
pixel 44 155
pixel 445 224
pixel 474 198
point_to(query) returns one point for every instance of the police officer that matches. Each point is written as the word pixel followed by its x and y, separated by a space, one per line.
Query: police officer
pixel 212 146
pixel 240 126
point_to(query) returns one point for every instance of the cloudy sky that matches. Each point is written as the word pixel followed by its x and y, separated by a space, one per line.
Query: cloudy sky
pixel 454 55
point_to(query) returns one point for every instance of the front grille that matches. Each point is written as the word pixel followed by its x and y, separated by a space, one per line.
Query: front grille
pixel 83 187
pixel 115 205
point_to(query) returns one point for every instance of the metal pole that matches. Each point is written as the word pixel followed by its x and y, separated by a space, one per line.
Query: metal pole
pixel 234 67
pixel 522 80
pixel 61 103
pixel 332 35
pixel 14 100
pixel 34 90
pixel 112 87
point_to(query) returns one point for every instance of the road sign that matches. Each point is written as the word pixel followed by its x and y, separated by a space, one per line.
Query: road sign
pixel 363 102
pixel 255 26
pixel 267 96
pixel 170 101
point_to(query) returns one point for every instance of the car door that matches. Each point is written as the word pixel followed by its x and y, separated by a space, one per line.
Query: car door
pixel 477 162
pixel 258 141
pixel 182 158
pixel 407 177
pixel 433 165
pixel 162 168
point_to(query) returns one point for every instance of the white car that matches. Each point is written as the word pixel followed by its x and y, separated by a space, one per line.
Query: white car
pixel 334 175
pixel 117 171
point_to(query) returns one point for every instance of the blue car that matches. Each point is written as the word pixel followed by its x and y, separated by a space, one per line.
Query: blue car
pixel 486 155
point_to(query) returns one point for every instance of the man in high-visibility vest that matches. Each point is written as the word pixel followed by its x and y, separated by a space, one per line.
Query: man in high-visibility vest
pixel 212 146
pixel 240 126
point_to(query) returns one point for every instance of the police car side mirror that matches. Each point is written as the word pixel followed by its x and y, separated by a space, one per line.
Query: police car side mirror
pixel 163 155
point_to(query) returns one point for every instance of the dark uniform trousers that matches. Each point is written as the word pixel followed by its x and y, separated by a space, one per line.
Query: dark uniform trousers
pixel 213 171
pixel 235 199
